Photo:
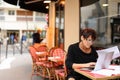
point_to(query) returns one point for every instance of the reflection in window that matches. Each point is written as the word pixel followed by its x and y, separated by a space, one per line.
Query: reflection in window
pixel 59 28
pixel 40 16
pixel 43 34
pixel 118 9
pixel 95 19
pixel 105 19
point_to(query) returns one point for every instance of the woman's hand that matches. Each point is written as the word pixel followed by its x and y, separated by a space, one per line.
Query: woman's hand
pixel 90 64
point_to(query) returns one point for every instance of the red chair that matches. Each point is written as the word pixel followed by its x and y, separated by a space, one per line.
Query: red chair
pixel 36 67
pixel 61 73
pixel 39 66
pixel 42 48
pixel 58 66
pixel 57 52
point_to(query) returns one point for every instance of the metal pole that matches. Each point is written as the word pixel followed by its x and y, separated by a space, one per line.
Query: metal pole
pixel 21 47
pixel 27 28
pixel 6 49
pixel 13 49
pixel 0 52
pixel 0 46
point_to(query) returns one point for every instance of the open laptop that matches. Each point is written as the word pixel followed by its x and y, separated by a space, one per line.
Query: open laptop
pixel 103 61
pixel 105 57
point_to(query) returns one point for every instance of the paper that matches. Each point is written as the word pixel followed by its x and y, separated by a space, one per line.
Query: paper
pixel 106 72
pixel 105 57
pixel 112 70
pixel 111 49
pixel 103 61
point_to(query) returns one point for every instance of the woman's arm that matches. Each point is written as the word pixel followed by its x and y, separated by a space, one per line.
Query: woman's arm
pixel 83 65
pixel 69 58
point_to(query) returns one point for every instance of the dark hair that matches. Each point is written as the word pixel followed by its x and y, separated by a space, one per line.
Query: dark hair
pixel 88 32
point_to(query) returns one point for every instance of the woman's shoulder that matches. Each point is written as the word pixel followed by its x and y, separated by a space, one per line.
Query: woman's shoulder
pixel 74 45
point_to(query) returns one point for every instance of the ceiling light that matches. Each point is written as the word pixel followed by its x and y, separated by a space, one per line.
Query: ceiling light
pixel 62 2
pixel 47 7
pixel 105 5
pixel 47 1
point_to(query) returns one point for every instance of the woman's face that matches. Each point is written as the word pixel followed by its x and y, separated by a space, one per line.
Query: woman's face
pixel 87 42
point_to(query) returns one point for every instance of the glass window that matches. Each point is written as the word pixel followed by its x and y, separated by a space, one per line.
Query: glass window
pixel 2 17
pixel 11 12
pixel 1 12
pixel 59 30
pixel 118 9
pixel 1 2
pixel 98 17
pixel 40 16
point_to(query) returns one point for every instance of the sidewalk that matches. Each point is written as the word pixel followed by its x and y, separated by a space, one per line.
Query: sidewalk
pixel 17 67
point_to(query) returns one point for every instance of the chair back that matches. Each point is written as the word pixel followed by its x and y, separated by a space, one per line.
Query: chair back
pixel 51 51
pixel 56 51
pixel 33 54
pixel 42 48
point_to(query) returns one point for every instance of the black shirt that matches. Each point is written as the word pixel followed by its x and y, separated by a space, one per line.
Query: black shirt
pixel 76 55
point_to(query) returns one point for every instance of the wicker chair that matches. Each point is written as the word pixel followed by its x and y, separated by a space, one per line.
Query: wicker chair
pixel 40 64
pixel 57 52
pixel 58 67
pixel 61 73
pixel 37 65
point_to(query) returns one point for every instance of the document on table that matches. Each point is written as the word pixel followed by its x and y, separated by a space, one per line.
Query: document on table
pixel 104 59
pixel 112 70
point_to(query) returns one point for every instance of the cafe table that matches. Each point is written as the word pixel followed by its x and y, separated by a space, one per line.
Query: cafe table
pixel 55 59
pixel 42 53
pixel 57 62
pixel 96 76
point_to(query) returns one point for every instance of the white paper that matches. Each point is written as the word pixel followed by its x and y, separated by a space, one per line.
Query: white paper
pixel 103 61
pixel 105 57
pixel 112 70
pixel 106 72
pixel 111 49
pixel 40 53
pixel 115 67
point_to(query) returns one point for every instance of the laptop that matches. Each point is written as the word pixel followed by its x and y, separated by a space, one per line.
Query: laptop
pixel 103 61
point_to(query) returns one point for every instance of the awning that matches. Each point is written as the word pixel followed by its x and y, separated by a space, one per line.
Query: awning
pixel 87 2
pixel 39 6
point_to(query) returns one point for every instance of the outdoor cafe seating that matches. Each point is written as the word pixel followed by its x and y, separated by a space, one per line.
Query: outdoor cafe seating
pixel 37 68
pixel 46 63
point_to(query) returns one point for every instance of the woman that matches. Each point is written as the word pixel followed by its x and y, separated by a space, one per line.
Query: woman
pixel 81 54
